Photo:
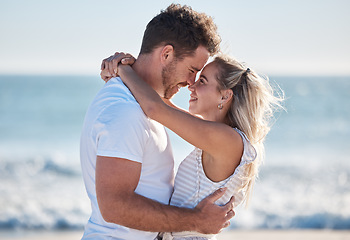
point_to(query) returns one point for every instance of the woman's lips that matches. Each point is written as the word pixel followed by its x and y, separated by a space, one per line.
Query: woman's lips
pixel 193 98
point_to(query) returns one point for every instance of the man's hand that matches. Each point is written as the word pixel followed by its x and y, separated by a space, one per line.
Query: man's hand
pixel 109 66
pixel 213 218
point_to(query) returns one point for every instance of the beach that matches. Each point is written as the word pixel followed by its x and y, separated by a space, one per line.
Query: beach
pixel 226 235
pixel 284 234
pixel 304 183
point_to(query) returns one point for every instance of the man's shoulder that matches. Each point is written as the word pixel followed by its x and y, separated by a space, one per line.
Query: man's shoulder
pixel 122 108
pixel 114 102
pixel 115 89
pixel 114 94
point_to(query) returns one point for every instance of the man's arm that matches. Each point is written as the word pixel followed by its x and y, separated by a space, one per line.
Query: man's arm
pixel 116 181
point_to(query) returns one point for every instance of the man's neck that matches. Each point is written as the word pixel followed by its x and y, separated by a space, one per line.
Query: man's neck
pixel 146 69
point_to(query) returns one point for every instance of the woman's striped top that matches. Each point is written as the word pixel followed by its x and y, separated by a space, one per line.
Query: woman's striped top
pixel 192 185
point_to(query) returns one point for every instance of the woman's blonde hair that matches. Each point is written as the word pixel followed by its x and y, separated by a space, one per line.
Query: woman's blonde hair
pixel 252 107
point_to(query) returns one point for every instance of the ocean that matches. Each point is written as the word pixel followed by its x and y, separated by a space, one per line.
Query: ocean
pixel 304 182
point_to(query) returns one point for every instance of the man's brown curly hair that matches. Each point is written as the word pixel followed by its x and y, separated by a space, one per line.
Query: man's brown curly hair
pixel 184 29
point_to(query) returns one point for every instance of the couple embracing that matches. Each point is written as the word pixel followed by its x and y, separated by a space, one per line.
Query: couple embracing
pixel 126 156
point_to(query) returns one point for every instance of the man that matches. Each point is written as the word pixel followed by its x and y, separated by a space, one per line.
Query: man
pixel 126 158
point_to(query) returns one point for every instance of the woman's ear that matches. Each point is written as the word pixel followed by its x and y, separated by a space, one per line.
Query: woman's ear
pixel 227 95
pixel 167 54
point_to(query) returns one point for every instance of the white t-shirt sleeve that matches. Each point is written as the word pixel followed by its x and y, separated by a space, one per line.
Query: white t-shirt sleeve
pixel 121 131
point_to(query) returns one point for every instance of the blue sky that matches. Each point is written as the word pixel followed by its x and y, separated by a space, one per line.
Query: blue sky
pixel 275 37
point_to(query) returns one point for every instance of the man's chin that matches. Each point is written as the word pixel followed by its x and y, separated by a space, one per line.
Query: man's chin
pixel 168 97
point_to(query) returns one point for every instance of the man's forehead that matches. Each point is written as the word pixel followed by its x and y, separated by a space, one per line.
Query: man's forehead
pixel 198 59
pixel 201 57
pixel 198 63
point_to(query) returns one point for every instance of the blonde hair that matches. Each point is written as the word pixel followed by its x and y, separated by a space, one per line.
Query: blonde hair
pixel 251 111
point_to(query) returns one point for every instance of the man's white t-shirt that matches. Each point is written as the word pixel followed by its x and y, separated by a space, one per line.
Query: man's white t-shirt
pixel 115 126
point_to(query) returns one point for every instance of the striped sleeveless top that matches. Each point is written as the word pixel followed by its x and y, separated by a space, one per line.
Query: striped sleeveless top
pixel 192 185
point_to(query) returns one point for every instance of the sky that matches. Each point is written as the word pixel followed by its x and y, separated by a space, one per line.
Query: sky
pixel 274 37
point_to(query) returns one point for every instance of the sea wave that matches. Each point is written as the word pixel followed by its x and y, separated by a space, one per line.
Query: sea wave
pixel 48 193
pixel 42 192
pixel 36 165
pixel 263 220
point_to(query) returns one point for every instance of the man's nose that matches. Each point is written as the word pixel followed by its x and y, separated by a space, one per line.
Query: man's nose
pixel 191 87
pixel 191 80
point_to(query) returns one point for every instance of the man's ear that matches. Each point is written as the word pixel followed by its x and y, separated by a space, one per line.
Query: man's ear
pixel 227 95
pixel 167 54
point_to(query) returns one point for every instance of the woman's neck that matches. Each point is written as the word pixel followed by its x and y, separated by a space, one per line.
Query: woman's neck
pixel 217 116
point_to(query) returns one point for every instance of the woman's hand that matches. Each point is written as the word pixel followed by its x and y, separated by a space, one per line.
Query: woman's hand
pixel 109 66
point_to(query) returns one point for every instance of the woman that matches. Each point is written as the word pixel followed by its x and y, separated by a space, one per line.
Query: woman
pixel 234 105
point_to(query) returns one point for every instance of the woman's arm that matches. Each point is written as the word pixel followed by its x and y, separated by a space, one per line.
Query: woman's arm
pixel 109 66
pixel 217 139
pixel 171 104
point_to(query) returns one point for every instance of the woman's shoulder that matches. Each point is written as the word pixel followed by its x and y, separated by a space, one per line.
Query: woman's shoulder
pixel 232 143
pixel 249 151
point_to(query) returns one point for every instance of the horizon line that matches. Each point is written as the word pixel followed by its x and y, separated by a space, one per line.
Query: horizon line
pixel 98 75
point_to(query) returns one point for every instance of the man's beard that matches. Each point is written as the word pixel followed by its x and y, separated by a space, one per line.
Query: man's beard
pixel 168 76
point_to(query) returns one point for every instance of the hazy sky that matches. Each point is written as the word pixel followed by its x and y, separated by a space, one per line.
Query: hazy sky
pixel 275 37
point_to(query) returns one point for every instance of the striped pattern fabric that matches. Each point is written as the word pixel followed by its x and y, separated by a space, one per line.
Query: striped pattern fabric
pixel 192 185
